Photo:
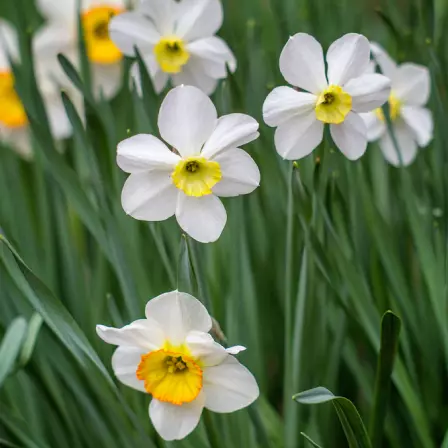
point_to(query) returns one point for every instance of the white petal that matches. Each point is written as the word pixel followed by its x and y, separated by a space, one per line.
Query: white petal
pixel 387 65
pixel 187 118
pixel 284 103
pixel 143 333
pixel 204 348
pixel 174 422
pixel 125 361
pixel 9 45
pixel 302 63
pixel 368 92
pixel 347 58
pixel 162 14
pixel 130 30
pixel 411 84
pixel 60 125
pixel 297 137
pixel 421 123
pixel 106 79
pixel 213 55
pixel 240 174
pixel 202 218
pixel 235 349
pixel 406 144
pixel 18 139
pixel 59 11
pixel 229 386
pixel 193 74
pixel 178 313
pixel 159 78
pixel 375 127
pixel 198 18
pixel 350 136
pixel 231 131
pixel 144 152
pixel 149 196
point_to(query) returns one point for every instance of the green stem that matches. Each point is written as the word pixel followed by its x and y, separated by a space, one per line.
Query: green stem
pixel 212 433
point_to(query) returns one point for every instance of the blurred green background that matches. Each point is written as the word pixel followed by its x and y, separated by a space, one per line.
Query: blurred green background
pixel 302 274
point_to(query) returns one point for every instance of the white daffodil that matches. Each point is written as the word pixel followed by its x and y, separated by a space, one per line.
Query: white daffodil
pixel 104 56
pixel 412 123
pixel 336 99
pixel 205 163
pixel 177 42
pixel 171 356
pixel 14 128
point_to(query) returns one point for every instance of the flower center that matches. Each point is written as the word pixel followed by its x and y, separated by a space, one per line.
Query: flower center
pixel 394 109
pixel 95 22
pixel 170 376
pixel 171 54
pixel 196 176
pixel 333 105
pixel 12 113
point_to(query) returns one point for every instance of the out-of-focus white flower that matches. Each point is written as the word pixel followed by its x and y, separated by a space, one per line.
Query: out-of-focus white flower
pixel 412 123
pixel 177 41
pixel 171 356
pixel 338 101
pixel 205 163
pixel 14 128
pixel 105 57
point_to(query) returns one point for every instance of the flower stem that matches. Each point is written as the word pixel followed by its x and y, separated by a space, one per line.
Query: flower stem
pixel 212 433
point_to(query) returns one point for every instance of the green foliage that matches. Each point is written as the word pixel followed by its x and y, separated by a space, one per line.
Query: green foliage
pixel 302 274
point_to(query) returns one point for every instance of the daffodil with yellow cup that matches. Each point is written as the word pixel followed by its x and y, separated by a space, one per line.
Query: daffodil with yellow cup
pixel 203 161
pixel 171 356
pixel 335 96
pixel 177 42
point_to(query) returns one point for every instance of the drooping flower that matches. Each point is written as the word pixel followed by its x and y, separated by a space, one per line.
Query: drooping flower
pixel 412 123
pixel 205 163
pixel 171 356
pixel 14 128
pixel 177 41
pixel 103 54
pixel 336 99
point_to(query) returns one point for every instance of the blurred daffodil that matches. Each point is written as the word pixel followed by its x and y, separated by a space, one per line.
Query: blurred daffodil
pixel 205 163
pixel 103 54
pixel 412 123
pixel 336 99
pixel 171 356
pixel 14 128
pixel 177 41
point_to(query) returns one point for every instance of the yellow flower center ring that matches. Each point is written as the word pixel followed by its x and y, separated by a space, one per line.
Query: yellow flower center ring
pixel 196 176
pixel 171 54
pixel 12 113
pixel 333 105
pixel 95 22
pixel 394 109
pixel 170 376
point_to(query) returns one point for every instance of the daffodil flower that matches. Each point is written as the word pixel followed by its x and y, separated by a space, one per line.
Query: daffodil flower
pixel 177 41
pixel 14 128
pixel 336 99
pixel 205 163
pixel 103 54
pixel 412 123
pixel 171 356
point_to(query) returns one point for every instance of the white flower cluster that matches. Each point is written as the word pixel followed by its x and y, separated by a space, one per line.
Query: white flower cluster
pixel 170 354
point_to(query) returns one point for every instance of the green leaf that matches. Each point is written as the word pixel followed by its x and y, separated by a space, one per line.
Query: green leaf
pixel 390 330
pixel 349 417
pixel 29 342
pixel 50 308
pixel 10 347
pixel 310 440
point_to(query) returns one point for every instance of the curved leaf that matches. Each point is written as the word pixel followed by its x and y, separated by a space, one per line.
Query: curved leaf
pixel 349 417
